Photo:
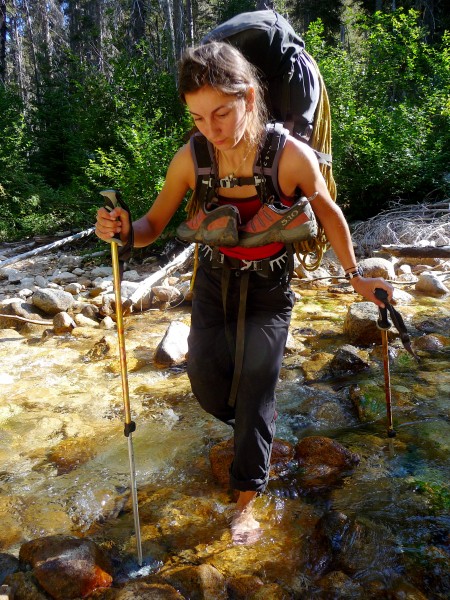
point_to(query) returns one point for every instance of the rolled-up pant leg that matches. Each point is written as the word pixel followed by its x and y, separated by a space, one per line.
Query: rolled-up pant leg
pixel 211 365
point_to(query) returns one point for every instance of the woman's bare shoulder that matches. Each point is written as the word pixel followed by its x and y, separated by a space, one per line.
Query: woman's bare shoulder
pixel 182 166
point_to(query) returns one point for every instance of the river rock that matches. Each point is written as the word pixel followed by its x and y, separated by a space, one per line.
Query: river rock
pixel 377 267
pixel 165 293
pixel 74 288
pixel 83 321
pixel 244 587
pixel 70 453
pixel 139 590
pixel 52 301
pixel 221 457
pixel 107 323
pixel 67 567
pixel 101 272
pixel 8 564
pixel 202 581
pixel 429 283
pixel 428 343
pixel 63 278
pixel 24 585
pixel 173 347
pixel 323 461
pixel 337 584
pixel 360 324
pixel 63 323
pixel 22 309
pixel 90 311
pixel 347 360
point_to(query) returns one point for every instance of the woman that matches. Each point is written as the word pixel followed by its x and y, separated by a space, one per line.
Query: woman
pixel 224 97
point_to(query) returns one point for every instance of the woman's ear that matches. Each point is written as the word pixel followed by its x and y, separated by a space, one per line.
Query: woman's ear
pixel 250 99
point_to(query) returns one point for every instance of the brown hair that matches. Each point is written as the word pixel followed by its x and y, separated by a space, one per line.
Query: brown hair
pixel 223 67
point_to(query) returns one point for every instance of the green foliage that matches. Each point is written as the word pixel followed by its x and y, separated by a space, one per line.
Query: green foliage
pixel 23 194
pixel 137 168
pixel 390 118
pixel 88 128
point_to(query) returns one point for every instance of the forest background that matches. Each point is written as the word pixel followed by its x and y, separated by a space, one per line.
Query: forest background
pixel 88 100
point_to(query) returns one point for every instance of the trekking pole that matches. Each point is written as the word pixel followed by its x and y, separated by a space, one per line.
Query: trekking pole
pixel 384 325
pixel 112 200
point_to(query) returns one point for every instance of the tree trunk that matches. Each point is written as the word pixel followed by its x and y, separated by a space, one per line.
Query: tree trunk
pixel 3 30
pixel 166 6
pixel 178 25
pixel 16 48
pixel 190 23
pixel 418 251
pixel 138 19
pixel 34 53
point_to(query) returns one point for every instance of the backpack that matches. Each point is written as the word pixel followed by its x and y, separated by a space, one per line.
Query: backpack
pixel 297 101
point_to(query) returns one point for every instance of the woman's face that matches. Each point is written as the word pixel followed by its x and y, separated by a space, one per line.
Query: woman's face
pixel 221 118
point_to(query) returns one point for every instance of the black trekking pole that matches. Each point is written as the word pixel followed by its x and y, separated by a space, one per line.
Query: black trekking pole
pixel 112 199
pixel 384 325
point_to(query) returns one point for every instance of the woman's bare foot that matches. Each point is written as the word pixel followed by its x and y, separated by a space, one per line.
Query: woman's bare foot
pixel 245 528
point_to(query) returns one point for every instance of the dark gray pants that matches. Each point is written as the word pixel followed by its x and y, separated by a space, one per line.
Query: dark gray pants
pixel 211 363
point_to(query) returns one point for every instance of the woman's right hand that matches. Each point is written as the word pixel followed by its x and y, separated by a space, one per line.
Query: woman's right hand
pixel 112 223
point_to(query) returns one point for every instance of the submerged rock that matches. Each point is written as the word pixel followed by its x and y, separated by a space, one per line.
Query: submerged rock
pixel 323 461
pixel 221 457
pixel 67 567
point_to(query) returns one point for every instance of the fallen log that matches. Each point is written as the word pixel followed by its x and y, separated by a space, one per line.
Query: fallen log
pixel 41 249
pixel 146 285
pixel 418 251
pixel 34 321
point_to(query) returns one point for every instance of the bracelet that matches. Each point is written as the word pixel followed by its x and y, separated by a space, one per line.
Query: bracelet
pixel 357 272
pixel 351 268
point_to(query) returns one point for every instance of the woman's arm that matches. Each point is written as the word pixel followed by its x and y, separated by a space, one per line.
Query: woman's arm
pixel 179 178
pixel 299 168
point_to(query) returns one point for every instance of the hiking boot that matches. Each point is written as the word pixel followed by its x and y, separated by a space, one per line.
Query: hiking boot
pixel 215 226
pixel 280 224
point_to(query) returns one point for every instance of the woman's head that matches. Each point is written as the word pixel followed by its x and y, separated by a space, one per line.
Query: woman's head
pixel 220 66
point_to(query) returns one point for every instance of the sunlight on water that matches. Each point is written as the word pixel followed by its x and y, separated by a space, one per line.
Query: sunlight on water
pixel 64 464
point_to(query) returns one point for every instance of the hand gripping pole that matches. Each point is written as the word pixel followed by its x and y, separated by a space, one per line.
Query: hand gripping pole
pixel 112 200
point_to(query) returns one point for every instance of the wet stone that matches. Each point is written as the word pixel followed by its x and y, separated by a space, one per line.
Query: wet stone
pixel 8 564
pixel 221 457
pixel 71 453
pixel 323 461
pixel 67 567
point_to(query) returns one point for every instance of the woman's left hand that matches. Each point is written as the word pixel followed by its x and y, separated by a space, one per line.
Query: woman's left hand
pixel 366 286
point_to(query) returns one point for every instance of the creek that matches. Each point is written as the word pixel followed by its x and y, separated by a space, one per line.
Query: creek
pixel 64 461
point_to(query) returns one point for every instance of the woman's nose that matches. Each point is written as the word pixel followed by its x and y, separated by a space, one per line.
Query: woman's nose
pixel 213 129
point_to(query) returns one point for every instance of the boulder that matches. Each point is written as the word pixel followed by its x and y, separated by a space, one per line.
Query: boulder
pixel 173 347
pixel 430 284
pixel 67 567
pixel 52 301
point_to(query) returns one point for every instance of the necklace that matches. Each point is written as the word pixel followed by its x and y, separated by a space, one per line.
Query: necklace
pixel 230 180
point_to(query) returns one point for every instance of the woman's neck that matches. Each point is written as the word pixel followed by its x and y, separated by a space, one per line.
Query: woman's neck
pixel 235 161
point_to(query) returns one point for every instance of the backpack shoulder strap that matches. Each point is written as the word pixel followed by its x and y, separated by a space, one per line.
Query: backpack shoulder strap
pixel 204 165
pixel 266 167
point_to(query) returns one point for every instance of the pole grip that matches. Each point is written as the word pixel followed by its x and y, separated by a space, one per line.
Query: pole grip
pixel 112 199
pixel 383 321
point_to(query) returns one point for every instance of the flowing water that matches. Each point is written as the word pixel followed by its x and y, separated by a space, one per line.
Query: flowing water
pixel 64 460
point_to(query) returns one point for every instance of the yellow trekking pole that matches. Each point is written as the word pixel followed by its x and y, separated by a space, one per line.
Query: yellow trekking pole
pixel 112 199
